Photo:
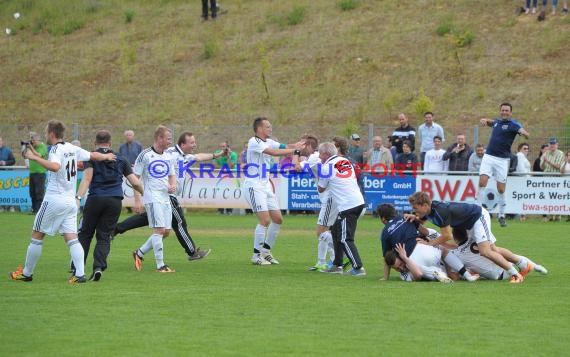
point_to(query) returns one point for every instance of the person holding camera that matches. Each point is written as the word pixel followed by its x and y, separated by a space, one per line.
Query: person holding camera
pixel 227 159
pixel 37 186
pixel 458 154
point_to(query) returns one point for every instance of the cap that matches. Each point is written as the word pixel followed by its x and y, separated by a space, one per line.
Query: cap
pixel 552 141
pixel 355 137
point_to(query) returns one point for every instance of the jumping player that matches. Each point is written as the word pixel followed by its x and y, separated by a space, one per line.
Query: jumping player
pixel 495 162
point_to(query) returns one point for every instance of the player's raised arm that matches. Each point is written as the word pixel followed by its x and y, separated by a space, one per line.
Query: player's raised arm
pixel 524 133
pixel 486 121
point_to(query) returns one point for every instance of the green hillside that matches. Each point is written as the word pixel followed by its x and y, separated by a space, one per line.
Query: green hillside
pixel 334 64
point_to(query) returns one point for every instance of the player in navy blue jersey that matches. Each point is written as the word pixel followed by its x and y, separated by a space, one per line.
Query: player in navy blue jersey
pixel 495 162
pixel 475 219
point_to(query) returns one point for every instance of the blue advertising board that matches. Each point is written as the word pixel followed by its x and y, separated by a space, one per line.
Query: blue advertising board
pixel 14 188
pixel 303 193
pixel 394 190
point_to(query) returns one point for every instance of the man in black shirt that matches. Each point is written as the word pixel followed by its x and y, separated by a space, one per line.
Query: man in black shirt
pixel 403 132
pixel 103 206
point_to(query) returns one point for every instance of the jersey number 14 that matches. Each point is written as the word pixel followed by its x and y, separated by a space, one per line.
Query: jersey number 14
pixel 71 170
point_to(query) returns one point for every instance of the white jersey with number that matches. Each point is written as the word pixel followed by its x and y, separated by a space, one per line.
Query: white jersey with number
pixel 339 177
pixel 63 182
pixel 154 169
pixel 258 163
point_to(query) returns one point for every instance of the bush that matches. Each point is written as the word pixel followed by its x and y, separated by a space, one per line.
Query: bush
pixel 296 16
pixel 346 5
pixel 463 39
pixel 129 15
pixel 444 29
pixel 210 49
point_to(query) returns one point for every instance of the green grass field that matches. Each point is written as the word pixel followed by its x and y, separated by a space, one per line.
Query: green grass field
pixel 223 305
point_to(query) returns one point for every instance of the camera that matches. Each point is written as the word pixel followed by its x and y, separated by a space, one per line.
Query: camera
pixel 24 147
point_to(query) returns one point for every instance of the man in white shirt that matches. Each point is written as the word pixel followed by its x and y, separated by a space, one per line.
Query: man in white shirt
pixel 427 132
pixel 184 154
pixel 339 177
pixel 156 167
pixel 58 211
pixel 258 190
pixel 434 158
pixel 328 211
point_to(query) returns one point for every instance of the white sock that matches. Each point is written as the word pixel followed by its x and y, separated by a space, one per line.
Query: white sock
pixel 502 204
pixel 272 232
pixel 323 247
pixel 331 248
pixel 259 237
pixel 32 256
pixel 480 195
pixel 157 247
pixel 77 255
pixel 146 247
pixel 456 264
pixel 512 271
pixel 523 262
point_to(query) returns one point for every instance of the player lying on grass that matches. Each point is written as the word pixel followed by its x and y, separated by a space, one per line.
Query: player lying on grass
pixel 426 264
pixel 468 252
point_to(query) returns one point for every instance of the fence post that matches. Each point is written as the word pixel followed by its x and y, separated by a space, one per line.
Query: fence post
pixel 76 131
pixel 475 135
pixel 370 135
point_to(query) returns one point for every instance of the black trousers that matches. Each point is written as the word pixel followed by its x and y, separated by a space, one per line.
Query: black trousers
pixel 100 215
pixel 342 232
pixel 213 9
pixel 179 226
pixel 37 190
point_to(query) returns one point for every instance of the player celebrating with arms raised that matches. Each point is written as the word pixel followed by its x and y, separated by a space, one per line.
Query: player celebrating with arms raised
pixel 495 162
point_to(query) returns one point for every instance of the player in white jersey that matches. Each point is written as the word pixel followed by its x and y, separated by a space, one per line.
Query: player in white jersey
pixel 156 168
pixel 58 211
pixel 184 156
pixel 425 263
pixel 259 192
pixel 338 176
pixel 328 212
pixel 468 252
